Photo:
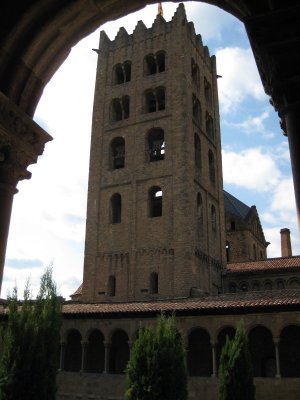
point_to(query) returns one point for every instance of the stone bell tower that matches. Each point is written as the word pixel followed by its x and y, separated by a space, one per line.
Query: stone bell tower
pixel 155 216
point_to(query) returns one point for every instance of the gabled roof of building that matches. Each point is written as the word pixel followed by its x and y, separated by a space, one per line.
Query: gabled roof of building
pixel 235 206
pixel 226 303
pixel 271 264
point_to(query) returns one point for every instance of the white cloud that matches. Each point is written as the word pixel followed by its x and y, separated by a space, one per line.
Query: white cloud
pixel 240 78
pixel 284 197
pixel 209 21
pixel 250 169
pixel 253 124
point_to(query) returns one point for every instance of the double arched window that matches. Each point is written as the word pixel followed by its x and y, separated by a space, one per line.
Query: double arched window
pixel 155 99
pixel 122 73
pixel 154 63
pixel 120 109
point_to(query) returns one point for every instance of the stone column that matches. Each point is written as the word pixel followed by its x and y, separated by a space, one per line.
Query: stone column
pixel 62 356
pixel 276 344
pixel 214 360
pixel 130 343
pixel 83 356
pixel 21 142
pixel 106 357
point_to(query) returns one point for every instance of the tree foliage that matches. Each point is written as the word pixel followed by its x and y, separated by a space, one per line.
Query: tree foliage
pixel 156 369
pixel 30 339
pixel 235 371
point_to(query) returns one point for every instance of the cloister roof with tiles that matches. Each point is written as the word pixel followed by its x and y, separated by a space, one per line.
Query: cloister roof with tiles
pixel 268 301
pixel 271 264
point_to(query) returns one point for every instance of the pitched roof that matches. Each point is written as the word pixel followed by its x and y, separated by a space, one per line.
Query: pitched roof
pixel 235 206
pixel 271 264
pixel 224 303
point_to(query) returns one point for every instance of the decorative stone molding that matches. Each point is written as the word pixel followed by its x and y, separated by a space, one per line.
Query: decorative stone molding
pixel 21 142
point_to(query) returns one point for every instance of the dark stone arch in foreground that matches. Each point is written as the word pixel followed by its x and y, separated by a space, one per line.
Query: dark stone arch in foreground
pixel 119 352
pixel 199 353
pixel 95 352
pixel 262 352
pixel 73 352
pixel 226 332
pixel 289 351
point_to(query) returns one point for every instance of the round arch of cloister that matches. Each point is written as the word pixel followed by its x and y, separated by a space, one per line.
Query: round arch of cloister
pixel 274 352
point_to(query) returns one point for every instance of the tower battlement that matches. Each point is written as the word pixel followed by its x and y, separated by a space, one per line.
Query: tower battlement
pixel 179 25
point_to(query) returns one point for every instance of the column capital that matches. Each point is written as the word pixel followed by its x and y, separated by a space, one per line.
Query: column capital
pixel 21 142
pixel 276 341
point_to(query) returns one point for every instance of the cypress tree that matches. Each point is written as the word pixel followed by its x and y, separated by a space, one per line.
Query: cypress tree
pixel 156 369
pixel 30 339
pixel 235 371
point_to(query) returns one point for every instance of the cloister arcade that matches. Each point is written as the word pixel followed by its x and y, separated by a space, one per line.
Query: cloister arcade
pixel 274 354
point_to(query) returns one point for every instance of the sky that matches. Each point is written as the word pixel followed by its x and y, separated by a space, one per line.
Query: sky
pixel 48 218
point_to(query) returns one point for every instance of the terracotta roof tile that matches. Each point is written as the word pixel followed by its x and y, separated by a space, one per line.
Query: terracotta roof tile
pixel 210 303
pixel 271 264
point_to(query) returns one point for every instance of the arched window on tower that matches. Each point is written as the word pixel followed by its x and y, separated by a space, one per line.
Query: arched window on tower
pixel 116 208
pixel 127 71
pixel 150 64
pixel 117 152
pixel 154 283
pixel 211 167
pixel 122 73
pixel 197 145
pixel 160 61
pixel 199 208
pixel 195 73
pixel 209 126
pixel 155 202
pixel 154 63
pixel 118 72
pixel 156 144
pixel 111 285
pixel 155 99
pixel 196 110
pixel 119 109
pixel 207 92
pixel 213 218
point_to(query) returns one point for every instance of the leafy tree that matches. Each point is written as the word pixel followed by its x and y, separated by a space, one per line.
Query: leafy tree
pixel 235 371
pixel 156 369
pixel 30 341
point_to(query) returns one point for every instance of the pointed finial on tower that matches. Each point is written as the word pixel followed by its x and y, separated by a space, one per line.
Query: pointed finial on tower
pixel 160 9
